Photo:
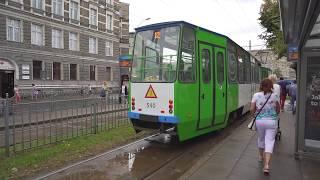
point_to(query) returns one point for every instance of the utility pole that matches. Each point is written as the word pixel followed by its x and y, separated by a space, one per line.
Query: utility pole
pixel 249 45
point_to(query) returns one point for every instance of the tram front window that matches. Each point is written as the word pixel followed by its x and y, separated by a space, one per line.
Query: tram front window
pixel 155 55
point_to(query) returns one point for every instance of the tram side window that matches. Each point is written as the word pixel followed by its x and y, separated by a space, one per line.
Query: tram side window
pixel 257 74
pixel 206 70
pixel 241 69
pixel 247 70
pixel 232 67
pixel 187 64
pixel 220 63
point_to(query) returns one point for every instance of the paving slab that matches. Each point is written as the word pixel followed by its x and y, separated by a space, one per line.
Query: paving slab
pixel 236 158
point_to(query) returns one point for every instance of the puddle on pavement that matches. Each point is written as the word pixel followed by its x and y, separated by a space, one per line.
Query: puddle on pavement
pixel 131 163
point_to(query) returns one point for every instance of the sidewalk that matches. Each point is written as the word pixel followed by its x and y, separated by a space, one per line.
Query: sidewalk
pixel 236 158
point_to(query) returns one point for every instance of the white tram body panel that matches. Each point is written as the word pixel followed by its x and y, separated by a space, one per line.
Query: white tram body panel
pixel 152 98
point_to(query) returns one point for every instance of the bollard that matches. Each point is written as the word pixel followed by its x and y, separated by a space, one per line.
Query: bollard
pixel 52 100
pixel 6 124
pixel 95 117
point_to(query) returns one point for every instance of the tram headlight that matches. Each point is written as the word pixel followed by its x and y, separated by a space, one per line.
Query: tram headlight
pixel 170 106
pixel 133 103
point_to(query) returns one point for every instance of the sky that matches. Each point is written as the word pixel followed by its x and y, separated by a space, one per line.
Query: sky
pixel 237 19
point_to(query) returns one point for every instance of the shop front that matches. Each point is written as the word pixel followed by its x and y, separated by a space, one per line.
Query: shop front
pixel 301 29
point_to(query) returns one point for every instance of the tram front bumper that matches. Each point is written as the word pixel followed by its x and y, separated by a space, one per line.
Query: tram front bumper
pixel 150 118
pixel 143 121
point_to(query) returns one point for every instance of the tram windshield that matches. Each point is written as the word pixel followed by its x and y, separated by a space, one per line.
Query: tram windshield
pixel 155 55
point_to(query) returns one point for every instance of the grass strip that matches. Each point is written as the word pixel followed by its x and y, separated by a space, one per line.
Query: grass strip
pixel 65 152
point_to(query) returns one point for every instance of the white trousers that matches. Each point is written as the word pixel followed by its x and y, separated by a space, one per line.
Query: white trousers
pixel 266 130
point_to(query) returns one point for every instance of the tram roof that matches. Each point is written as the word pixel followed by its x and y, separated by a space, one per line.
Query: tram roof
pixel 173 23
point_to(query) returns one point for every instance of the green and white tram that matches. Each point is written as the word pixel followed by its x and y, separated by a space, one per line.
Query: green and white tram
pixel 189 79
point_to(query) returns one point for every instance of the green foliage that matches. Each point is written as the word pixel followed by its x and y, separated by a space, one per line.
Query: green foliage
pixel 277 72
pixel 270 20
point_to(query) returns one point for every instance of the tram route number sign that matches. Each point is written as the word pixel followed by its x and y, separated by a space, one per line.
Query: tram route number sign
pixel 151 105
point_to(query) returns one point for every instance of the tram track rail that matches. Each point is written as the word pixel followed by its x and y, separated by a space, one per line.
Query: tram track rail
pixel 184 156
pixel 177 163
pixel 144 139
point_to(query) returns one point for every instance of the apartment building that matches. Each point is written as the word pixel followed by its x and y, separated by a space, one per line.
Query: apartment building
pixel 270 60
pixel 124 59
pixel 61 43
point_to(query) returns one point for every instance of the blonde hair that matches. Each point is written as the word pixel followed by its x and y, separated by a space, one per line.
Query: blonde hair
pixel 273 78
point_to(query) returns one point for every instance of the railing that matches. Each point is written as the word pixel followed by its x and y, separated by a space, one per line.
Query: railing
pixel 33 124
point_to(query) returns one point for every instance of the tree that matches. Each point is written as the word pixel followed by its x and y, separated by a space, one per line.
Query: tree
pixel 277 72
pixel 270 20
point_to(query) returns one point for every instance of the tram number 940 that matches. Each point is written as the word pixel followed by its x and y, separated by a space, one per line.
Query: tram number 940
pixel 151 105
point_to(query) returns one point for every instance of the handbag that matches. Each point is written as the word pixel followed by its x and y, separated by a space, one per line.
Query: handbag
pixel 251 125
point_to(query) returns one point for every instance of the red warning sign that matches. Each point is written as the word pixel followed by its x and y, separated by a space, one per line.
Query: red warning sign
pixel 150 93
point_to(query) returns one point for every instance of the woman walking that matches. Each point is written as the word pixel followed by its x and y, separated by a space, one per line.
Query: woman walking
pixel 17 94
pixel 266 105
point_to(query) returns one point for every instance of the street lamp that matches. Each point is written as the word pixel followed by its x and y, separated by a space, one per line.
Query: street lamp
pixel 143 20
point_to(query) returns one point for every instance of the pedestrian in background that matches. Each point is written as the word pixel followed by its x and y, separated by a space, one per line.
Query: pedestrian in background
pixel 293 96
pixel 283 93
pixel 34 92
pixel 17 94
pixel 266 105
pixel 103 89
pixel 122 92
pixel 276 87
pixel 89 89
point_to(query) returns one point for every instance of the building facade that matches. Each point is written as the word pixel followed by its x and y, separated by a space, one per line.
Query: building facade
pixel 124 59
pixel 61 43
pixel 270 60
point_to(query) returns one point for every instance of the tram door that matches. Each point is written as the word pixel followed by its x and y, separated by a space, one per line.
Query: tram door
pixel 206 87
pixel 220 87
pixel 6 83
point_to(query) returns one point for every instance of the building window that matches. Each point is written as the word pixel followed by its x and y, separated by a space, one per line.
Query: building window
pixel 92 73
pixel 109 1
pixel 109 22
pixel 57 6
pixel 57 38
pixel 18 1
pixel 14 30
pixel 108 72
pixel 56 71
pixel 73 72
pixel 38 4
pixel 109 48
pixel 93 17
pixel 73 41
pixel 37 35
pixel 74 10
pixel 36 69
pixel 93 45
